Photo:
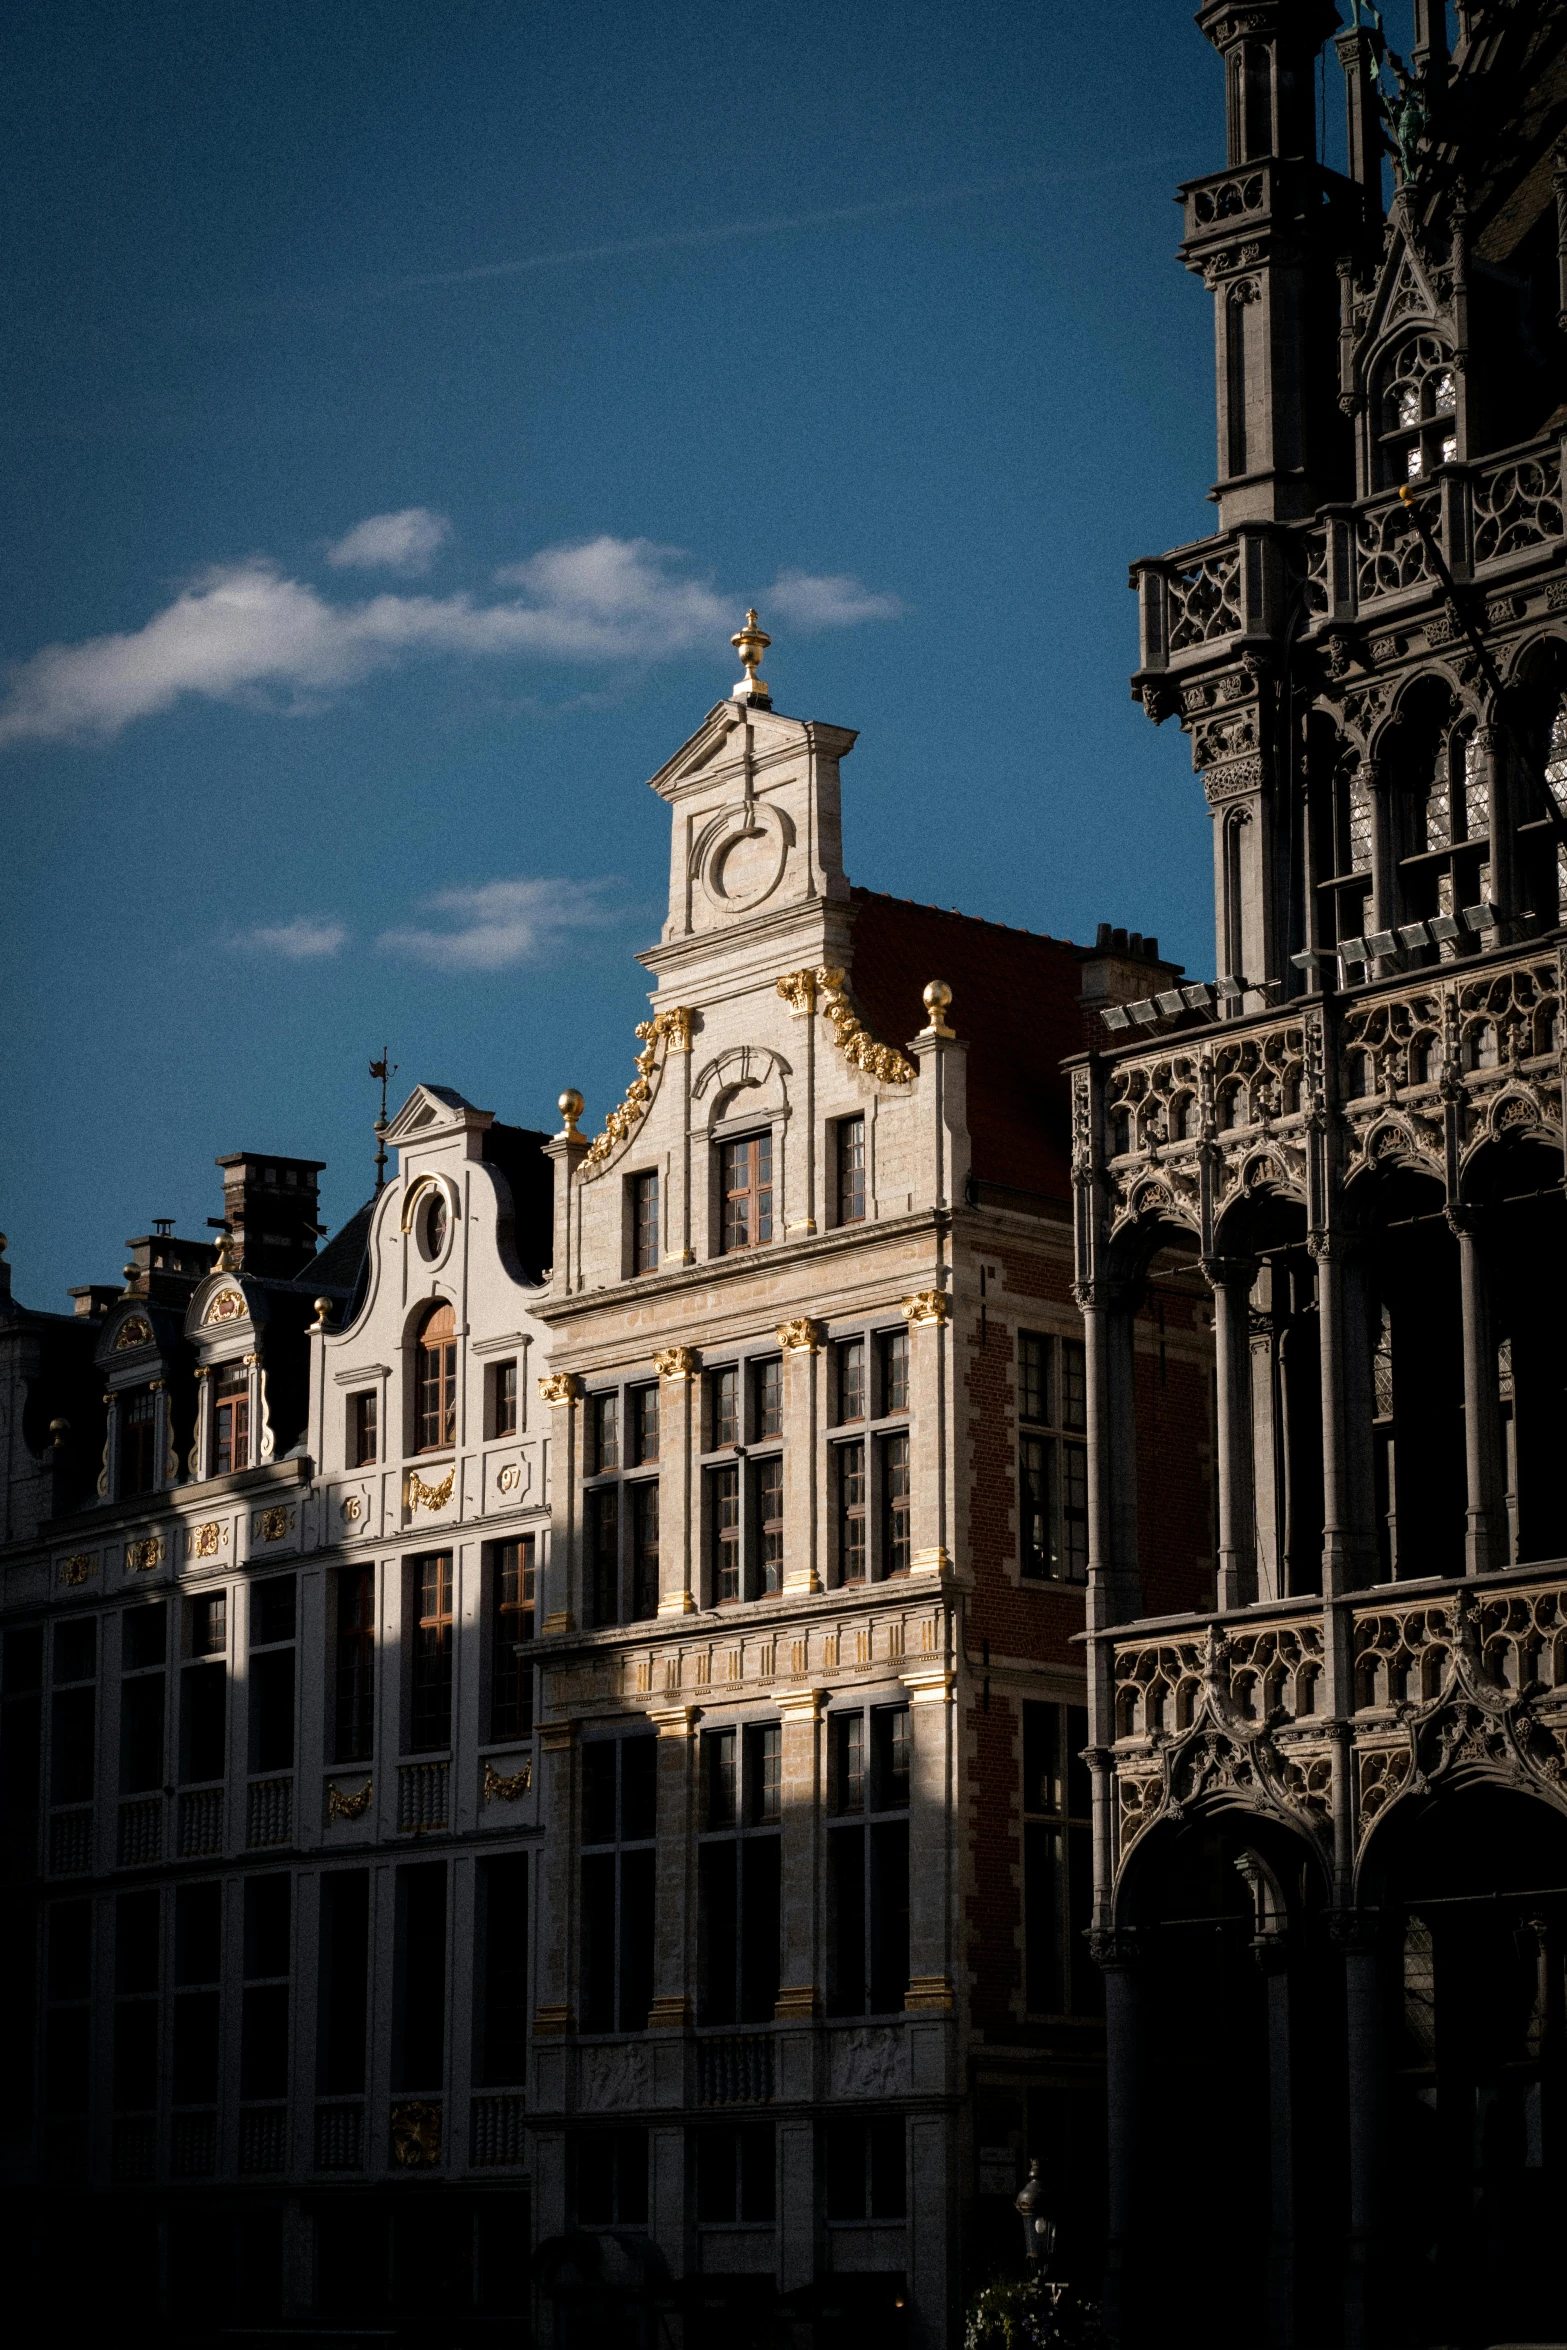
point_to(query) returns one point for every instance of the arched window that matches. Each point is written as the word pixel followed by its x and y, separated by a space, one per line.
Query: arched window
pixel 1417 421
pixel 435 1380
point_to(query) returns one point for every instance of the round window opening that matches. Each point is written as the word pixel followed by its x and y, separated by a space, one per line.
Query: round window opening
pixel 435 1226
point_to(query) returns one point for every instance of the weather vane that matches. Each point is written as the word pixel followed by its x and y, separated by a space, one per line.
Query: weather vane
pixel 386 1069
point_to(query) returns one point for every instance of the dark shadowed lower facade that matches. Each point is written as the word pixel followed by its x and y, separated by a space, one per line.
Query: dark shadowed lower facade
pixel 1331 1805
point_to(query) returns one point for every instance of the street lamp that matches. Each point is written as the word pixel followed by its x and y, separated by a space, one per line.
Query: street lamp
pixel 1039 2233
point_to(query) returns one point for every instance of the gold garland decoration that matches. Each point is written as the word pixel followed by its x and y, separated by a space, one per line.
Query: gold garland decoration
pixel 672 1026
pixel 855 1041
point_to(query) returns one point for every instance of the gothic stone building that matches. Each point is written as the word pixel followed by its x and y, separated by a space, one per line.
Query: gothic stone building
pixel 1330 1819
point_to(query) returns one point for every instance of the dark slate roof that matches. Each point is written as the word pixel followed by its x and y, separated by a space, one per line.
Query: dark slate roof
pixel 337 1264
pixel 1014 999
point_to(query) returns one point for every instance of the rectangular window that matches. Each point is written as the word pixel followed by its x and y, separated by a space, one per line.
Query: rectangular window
pixel 1052 1469
pixel 203 1722
pixel 138 1440
pixel 866 2170
pixel 435 1383
pixel 137 1920
pixel 767 1399
pixel 609 2178
pixel 851 1379
pixel 851 1170
pixel 850 1466
pixel 644 1223
pixel 501 1963
pixel 868 1863
pixel 503 1399
pixel 271 1692
pixel 419 1977
pixel 603 1533
pixel 363 1419
pixel 345 1975
pixel 511 1635
pixel 735 2165
pixel 738 1879
pixel 720 1779
pixel 141 1734
pixel 644 1549
pixel 764 1769
pixel 430 1694
pixel 746 1176
pixel 353 1721
pixel 770 1522
pixel 230 1419
pixel 723 1408
pixel 643 1403
pixel 893 1347
pixel 723 1512
pixel 603 1433
pixel 897 1544
pixel 208 1619
pixel 1057 1862
pixel 196 2048
pixel 1033 1379
pixel 619 1786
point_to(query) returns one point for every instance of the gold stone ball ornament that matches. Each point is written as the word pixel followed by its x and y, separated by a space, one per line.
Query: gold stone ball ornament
pixel 570 1108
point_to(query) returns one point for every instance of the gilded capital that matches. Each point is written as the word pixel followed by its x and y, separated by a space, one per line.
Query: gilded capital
pixel 926 1305
pixel 560 1387
pixel 798 989
pixel 800 1337
pixel 676 1362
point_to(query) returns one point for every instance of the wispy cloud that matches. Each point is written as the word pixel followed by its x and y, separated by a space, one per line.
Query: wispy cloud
pixel 245 632
pixel 306 939
pixel 501 923
pixel 407 542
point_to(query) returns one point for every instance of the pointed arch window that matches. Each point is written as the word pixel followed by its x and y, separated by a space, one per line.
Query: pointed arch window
pixel 435 1380
pixel 1417 419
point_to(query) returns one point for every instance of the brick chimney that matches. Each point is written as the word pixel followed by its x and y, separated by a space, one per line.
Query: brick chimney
pixel 269 1207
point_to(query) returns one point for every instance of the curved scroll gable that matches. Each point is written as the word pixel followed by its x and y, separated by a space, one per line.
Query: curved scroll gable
pixel 801 989
pixel 668 1030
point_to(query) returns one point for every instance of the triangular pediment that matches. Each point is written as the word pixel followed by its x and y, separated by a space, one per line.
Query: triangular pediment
pixel 435 1109
pixel 710 746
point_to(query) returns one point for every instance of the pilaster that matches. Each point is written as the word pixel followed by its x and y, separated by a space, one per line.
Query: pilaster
pixel 804 1370
pixel 928 1315
pixel 679 1575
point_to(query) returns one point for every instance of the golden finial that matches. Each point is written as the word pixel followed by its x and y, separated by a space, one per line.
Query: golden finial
pixel 751 642
pixel 570 1108
pixel 937 998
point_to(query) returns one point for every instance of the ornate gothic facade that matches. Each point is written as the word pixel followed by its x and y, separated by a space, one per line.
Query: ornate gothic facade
pixel 1330 1802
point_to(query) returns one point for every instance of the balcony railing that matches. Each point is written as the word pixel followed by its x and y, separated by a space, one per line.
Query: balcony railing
pixel 499 2123
pixel 201 1823
pixel 1488 517
pixel 421 1796
pixel 141 1831
pixel 263 2140
pixel 736 2070
pixel 269 1812
pixel 340 2134
pixel 193 2146
pixel 70 1842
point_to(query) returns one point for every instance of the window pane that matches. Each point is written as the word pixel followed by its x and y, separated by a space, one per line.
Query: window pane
pixel 603 1512
pixel 767 1411
pixel 895 1490
pixel 851 1170
pixel 760 1912
pixel 719 1753
pixel 770 1522
pixel 505 1399
pixel 765 1763
pixel 889 2182
pixel 644 1549
pixel 644 1247
pixel 1074 1384
pixel 511 1631
pixel 598 1791
pixel 1034 1506
pixel 724 1517
pixel 889 1915
pixel 272 1611
pixel 141 1734
pixel 1043 1789
pixel 846 1922
pixel 638 1788
pixel 851 1380
pixel 354 1721
pixel 851 1513
pixel 718 1890
pixel 1033 1400
pixel 605 1449
pixel 724 1408
pixel 644 1425
pixel 895 1371
pixel 432 1654
pixel 503 1972
pixel 848 1756
pixel 893 1746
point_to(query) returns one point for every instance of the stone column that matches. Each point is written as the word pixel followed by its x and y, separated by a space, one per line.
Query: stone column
pixel 1232 1280
pixel 1491 744
pixel 1485 1523
pixel 802 1408
pixel 567 1149
pixel 1118 1956
pixel 799 1974
pixel 679 1567
pixel 670 2016
pixel 561 1577
pixel 1356 1938
pixel 930 1479
pixel 554 1896
pixel 931 1904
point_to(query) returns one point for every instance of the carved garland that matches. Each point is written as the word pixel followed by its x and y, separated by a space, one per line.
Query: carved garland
pixel 670 1028
pixel 859 1048
pixel 348 1807
pixel 506 1790
pixel 419 1496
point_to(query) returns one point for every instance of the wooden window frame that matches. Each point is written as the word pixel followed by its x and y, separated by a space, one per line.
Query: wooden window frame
pixel 230 1418
pixel 364 1427
pixel 431 1649
pixel 435 1381
pixel 513 1582
pixel 852 1170
pixel 745 1192
pixel 646 1211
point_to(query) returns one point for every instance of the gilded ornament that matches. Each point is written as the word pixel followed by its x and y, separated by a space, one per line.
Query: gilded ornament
pixel 510 1477
pixel 800 1337
pixel 78 1567
pixel 856 1043
pixel 348 1807
pixel 926 1305
pixel 227 1306
pixel 269 1525
pixel 676 1362
pixel 798 989
pixel 497 1789
pixel 205 1541
pixel 559 1387
pixel 141 1557
pixel 419 1496
pixel 136 1330
pixel 669 1028
pixel 751 642
pixel 353 1507
pixel 937 1000
pixel 416 2134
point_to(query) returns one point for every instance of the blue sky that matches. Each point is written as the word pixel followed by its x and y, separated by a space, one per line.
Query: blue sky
pixel 401 407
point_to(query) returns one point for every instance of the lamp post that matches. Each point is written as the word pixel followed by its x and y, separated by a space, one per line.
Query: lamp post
pixel 1039 2233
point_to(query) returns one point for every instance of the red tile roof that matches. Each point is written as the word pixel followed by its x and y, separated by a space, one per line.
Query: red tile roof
pixel 1014 999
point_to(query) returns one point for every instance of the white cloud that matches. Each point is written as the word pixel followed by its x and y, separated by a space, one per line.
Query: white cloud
pixel 406 542
pixel 245 632
pixel 502 922
pixel 304 940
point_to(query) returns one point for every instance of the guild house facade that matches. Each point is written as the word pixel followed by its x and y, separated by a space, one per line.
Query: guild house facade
pixel 544 1732
pixel 1330 1824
